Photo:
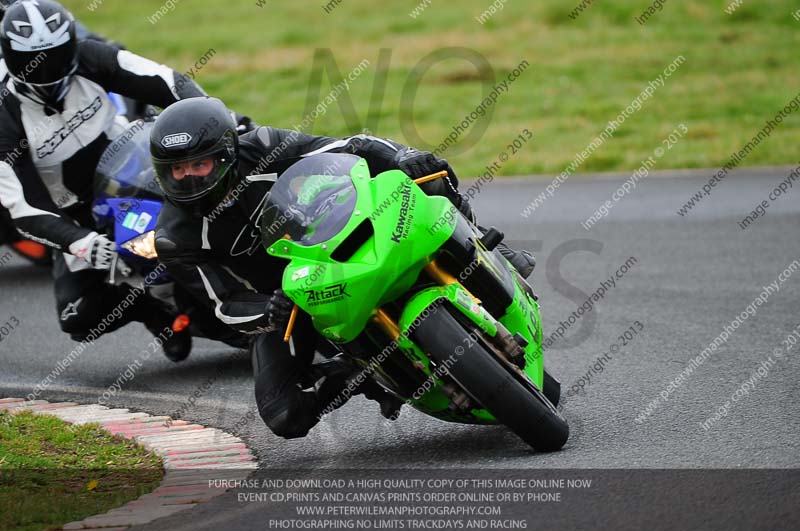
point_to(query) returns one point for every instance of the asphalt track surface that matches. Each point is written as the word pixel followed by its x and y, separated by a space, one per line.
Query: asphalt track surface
pixel 693 275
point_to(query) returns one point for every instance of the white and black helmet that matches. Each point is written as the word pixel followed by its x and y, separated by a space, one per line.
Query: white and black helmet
pixel 40 49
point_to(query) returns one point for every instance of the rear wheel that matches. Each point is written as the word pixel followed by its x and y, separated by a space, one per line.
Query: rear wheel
pixel 491 381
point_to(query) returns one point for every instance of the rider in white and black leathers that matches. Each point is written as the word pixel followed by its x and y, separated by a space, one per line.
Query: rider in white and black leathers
pixel 209 238
pixel 8 234
pixel 56 119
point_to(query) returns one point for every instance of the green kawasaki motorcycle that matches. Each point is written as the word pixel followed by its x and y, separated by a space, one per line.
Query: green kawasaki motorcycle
pixel 412 292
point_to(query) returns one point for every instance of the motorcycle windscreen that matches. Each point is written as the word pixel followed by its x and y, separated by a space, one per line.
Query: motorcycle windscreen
pixel 312 201
pixel 125 168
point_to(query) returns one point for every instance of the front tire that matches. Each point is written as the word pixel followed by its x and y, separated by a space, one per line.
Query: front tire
pixel 507 393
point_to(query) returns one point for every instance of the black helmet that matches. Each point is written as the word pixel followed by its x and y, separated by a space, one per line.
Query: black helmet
pixel 39 45
pixel 195 149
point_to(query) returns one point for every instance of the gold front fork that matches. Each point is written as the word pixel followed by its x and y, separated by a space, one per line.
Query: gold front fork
pixel 388 325
pixel 445 279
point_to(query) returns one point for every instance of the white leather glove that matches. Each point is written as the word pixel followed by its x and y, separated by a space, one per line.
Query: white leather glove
pixel 95 249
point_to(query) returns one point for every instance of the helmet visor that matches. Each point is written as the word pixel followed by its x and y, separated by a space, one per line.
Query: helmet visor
pixel 43 76
pixel 43 67
pixel 185 180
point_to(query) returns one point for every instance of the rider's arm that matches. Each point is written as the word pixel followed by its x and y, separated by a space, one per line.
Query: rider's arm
pixel 25 196
pixel 134 76
pixel 380 153
pixel 233 301
pixel 290 145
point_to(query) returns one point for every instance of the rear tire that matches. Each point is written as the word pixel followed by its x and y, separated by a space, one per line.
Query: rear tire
pixel 496 385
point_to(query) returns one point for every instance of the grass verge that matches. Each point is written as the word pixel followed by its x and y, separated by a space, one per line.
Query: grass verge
pixel 52 472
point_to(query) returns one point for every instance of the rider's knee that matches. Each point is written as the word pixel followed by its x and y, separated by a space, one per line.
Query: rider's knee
pixel 287 411
pixel 287 418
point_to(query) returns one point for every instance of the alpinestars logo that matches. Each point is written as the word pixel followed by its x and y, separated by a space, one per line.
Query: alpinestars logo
pixel 84 115
pixel 71 309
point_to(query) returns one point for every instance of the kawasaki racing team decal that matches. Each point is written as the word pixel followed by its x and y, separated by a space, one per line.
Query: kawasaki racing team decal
pixel 404 217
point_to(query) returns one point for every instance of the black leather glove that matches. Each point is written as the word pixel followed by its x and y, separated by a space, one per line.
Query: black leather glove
pixel 416 164
pixel 244 124
pixel 279 308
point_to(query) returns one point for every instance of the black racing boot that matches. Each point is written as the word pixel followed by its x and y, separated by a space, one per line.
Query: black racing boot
pixel 340 374
pixel 329 381
pixel 178 344
pixel 390 404
pixel 178 347
pixel 523 261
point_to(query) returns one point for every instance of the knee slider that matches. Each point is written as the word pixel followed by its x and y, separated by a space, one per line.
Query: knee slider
pixel 287 420
pixel 288 413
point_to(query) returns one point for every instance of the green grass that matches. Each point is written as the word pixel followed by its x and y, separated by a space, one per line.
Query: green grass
pixel 52 472
pixel 740 70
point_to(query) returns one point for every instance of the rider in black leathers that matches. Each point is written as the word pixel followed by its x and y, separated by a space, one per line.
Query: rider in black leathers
pixel 209 239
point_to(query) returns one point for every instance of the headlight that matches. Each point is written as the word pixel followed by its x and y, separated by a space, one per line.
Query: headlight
pixel 144 245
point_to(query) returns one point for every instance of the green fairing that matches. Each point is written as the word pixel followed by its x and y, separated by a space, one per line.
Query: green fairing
pixel 369 284
pixel 342 296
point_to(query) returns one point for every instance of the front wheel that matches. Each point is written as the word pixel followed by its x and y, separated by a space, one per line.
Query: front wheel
pixel 507 393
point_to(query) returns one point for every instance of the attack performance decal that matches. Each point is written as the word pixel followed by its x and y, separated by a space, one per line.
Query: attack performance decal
pixel 328 294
